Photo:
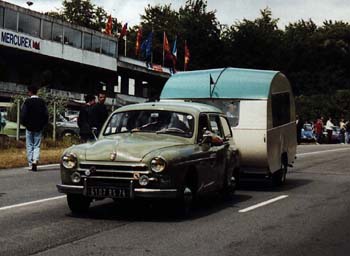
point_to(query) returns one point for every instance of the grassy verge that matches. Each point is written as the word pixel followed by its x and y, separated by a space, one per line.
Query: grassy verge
pixel 12 158
pixel 14 154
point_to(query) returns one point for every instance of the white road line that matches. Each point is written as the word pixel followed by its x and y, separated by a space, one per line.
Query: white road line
pixel 30 203
pixel 250 208
pixel 322 151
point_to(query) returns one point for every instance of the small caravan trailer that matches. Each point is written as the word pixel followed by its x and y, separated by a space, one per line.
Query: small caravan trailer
pixel 260 107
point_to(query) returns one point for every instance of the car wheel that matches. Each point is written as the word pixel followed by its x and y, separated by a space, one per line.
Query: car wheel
pixel 78 203
pixel 279 177
pixel 230 184
pixel 185 201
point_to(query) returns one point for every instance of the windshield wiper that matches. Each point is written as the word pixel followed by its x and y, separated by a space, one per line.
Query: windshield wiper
pixel 171 130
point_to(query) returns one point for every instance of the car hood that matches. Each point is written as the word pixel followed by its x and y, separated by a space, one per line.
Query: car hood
pixel 130 147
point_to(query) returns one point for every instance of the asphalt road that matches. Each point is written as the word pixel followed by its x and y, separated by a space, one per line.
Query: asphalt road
pixel 310 215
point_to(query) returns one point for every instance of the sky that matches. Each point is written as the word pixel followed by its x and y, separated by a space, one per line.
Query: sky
pixel 227 11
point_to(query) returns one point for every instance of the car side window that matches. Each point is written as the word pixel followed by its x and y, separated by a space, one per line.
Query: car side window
pixel 202 126
pixel 226 127
pixel 215 126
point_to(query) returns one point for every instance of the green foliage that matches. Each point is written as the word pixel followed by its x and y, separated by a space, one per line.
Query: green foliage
pixel 83 13
pixel 316 59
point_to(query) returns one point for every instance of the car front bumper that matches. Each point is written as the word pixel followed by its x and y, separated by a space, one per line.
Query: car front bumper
pixel 134 192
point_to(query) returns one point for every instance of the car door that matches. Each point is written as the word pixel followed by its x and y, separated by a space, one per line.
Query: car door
pixel 218 153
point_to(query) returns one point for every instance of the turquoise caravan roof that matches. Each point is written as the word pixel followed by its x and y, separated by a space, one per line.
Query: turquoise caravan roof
pixel 233 83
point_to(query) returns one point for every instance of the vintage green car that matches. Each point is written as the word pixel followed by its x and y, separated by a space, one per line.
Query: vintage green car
pixel 153 150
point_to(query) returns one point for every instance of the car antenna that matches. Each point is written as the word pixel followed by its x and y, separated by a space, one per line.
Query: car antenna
pixel 211 88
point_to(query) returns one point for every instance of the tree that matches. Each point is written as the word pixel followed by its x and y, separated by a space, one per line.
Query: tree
pixel 82 13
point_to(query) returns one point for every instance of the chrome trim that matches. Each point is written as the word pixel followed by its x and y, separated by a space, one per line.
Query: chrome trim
pixel 152 190
pixel 71 186
pixel 125 164
pixel 116 171
pixel 116 178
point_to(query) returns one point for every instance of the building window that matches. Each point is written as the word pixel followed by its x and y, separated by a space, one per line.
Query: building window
pixel 10 19
pixel 57 33
pixel 72 37
pixel 29 25
pixel 47 30
pixel 87 41
pixel 280 108
pixel 131 86
pixel 1 17
pixel 96 44
pixel 104 46
pixel 112 48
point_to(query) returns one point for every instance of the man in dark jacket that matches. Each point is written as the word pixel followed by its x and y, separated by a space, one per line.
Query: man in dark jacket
pixel 99 112
pixel 34 116
pixel 84 119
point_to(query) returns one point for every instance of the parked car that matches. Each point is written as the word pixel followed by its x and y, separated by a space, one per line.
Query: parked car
pixel 307 133
pixel 153 150
pixel 336 135
pixel 65 127
pixel 10 129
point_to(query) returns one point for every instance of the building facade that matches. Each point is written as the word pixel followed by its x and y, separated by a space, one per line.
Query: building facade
pixel 36 49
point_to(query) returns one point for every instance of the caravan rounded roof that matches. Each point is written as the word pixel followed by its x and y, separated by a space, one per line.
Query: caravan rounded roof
pixel 226 83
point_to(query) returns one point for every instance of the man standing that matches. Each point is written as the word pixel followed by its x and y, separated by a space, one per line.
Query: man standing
pixel 319 130
pixel 34 116
pixel 99 112
pixel 84 119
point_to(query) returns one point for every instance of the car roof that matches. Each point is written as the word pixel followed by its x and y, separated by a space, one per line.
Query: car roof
pixel 179 106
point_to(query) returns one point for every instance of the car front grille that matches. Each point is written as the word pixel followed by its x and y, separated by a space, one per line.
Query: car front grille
pixel 116 172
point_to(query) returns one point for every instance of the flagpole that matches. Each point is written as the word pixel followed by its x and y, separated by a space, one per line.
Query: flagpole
pixel 163 45
pixel 125 45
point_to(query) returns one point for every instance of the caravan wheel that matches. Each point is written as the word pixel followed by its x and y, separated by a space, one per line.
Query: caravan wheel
pixel 279 177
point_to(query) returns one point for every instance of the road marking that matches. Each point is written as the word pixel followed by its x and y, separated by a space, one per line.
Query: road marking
pixel 32 202
pixel 323 151
pixel 250 208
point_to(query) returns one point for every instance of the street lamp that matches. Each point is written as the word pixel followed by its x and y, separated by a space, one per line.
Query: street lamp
pixel 29 3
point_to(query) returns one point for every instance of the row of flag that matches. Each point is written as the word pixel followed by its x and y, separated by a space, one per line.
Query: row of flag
pixel 145 48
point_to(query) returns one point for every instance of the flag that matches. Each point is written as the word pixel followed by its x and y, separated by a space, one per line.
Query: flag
pixel 146 47
pixel 124 30
pixel 109 25
pixel 166 47
pixel 187 57
pixel 174 51
pixel 138 41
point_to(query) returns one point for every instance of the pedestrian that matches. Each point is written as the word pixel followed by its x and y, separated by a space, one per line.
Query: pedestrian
pixel 300 124
pixel 329 129
pixel 85 119
pixel 2 122
pixel 347 132
pixel 34 116
pixel 99 112
pixel 342 131
pixel 318 128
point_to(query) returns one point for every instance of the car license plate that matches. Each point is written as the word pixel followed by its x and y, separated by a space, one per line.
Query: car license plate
pixel 107 192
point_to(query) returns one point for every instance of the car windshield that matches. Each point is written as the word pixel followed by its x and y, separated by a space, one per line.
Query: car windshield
pixel 153 121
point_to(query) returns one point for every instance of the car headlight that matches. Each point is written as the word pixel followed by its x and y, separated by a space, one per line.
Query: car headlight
pixel 158 164
pixel 69 161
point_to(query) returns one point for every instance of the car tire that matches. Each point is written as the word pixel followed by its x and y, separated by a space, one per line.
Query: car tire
pixel 78 203
pixel 230 184
pixel 279 177
pixel 185 202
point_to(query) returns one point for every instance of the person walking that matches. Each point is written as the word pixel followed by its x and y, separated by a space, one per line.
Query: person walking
pixel 329 129
pixel 347 132
pixel 342 131
pixel 318 128
pixel 99 112
pixel 34 116
pixel 85 119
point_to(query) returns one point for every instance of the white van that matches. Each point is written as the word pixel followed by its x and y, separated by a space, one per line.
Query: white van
pixel 261 109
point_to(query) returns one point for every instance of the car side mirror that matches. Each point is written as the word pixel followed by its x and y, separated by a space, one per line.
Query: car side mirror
pixel 94 131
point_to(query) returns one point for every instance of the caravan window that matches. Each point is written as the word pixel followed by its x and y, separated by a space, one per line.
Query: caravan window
pixel 280 108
